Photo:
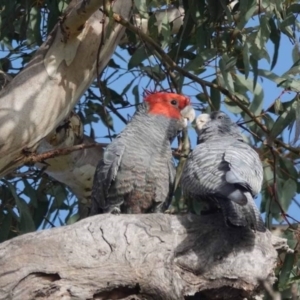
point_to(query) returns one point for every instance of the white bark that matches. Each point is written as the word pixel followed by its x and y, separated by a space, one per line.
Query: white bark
pixel 45 92
pixel 76 169
pixel 152 256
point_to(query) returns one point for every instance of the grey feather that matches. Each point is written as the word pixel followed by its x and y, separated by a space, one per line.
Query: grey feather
pixel 136 173
pixel 225 171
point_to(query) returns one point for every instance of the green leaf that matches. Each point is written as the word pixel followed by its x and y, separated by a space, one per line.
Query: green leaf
pixel 268 120
pixel 26 223
pixel 284 82
pixel 135 92
pixel 296 53
pixel 197 64
pixel 247 9
pixel 225 74
pixel 288 168
pixel 232 107
pixel 165 31
pixel 30 192
pixel 215 96
pixel 267 202
pixel 62 5
pixel 278 107
pixel 201 97
pixel 297 121
pixel 40 212
pixel 257 102
pixel 286 24
pixel 254 64
pixel 258 45
pixel 154 72
pixel 113 64
pixel 152 27
pixel 33 30
pixel 275 38
pixel 114 97
pixel 54 13
pixel 286 270
pixel 73 219
pixel 59 193
pixel 246 60
pixel 268 175
pixel 127 87
pixel 138 57
pixel 284 120
pixel 246 85
pixel 142 7
pixel 287 192
pixel 5 221
pixel 230 63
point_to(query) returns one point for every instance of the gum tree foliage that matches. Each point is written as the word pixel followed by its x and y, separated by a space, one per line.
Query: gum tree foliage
pixel 214 56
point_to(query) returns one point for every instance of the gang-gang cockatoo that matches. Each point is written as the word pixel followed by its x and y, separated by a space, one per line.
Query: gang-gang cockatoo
pixel 136 173
pixel 224 171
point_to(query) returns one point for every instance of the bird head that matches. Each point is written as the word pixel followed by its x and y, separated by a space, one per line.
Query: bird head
pixel 216 124
pixel 201 120
pixel 170 105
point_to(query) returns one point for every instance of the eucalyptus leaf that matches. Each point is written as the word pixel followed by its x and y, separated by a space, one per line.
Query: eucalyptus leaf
pixel 6 223
pixel 26 223
pixel 246 60
pixel 286 270
pixel 287 192
pixel 284 120
pixel 215 96
pixel 275 38
pixel 138 57
pixel 142 7
pixel 226 75
pixel 135 92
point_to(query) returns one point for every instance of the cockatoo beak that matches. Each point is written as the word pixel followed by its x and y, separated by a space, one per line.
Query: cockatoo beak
pixel 201 121
pixel 188 113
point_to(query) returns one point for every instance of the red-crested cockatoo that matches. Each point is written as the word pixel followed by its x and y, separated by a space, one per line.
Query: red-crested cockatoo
pixel 136 174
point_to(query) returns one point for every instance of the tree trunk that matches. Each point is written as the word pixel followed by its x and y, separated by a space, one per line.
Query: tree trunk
pixel 45 92
pixel 153 256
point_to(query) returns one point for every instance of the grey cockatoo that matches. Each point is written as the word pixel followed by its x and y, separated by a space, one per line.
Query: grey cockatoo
pixel 224 171
pixel 137 172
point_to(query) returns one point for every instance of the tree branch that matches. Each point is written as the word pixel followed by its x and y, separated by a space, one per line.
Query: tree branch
pixel 153 256
pixel 76 14
pixel 35 158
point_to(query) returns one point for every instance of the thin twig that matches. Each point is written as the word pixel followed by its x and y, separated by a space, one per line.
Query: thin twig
pixel 34 158
pixel 48 221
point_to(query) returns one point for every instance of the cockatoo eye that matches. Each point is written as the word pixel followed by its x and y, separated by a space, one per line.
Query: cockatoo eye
pixel 174 102
pixel 220 117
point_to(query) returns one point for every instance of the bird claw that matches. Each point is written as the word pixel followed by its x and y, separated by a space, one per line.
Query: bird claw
pixel 116 211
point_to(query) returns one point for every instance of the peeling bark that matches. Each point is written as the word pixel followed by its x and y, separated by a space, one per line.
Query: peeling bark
pixel 76 170
pixel 154 256
pixel 44 93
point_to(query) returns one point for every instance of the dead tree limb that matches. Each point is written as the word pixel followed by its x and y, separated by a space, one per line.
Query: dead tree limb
pixel 154 256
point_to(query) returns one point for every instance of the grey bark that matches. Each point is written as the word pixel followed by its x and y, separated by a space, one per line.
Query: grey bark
pixel 152 256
